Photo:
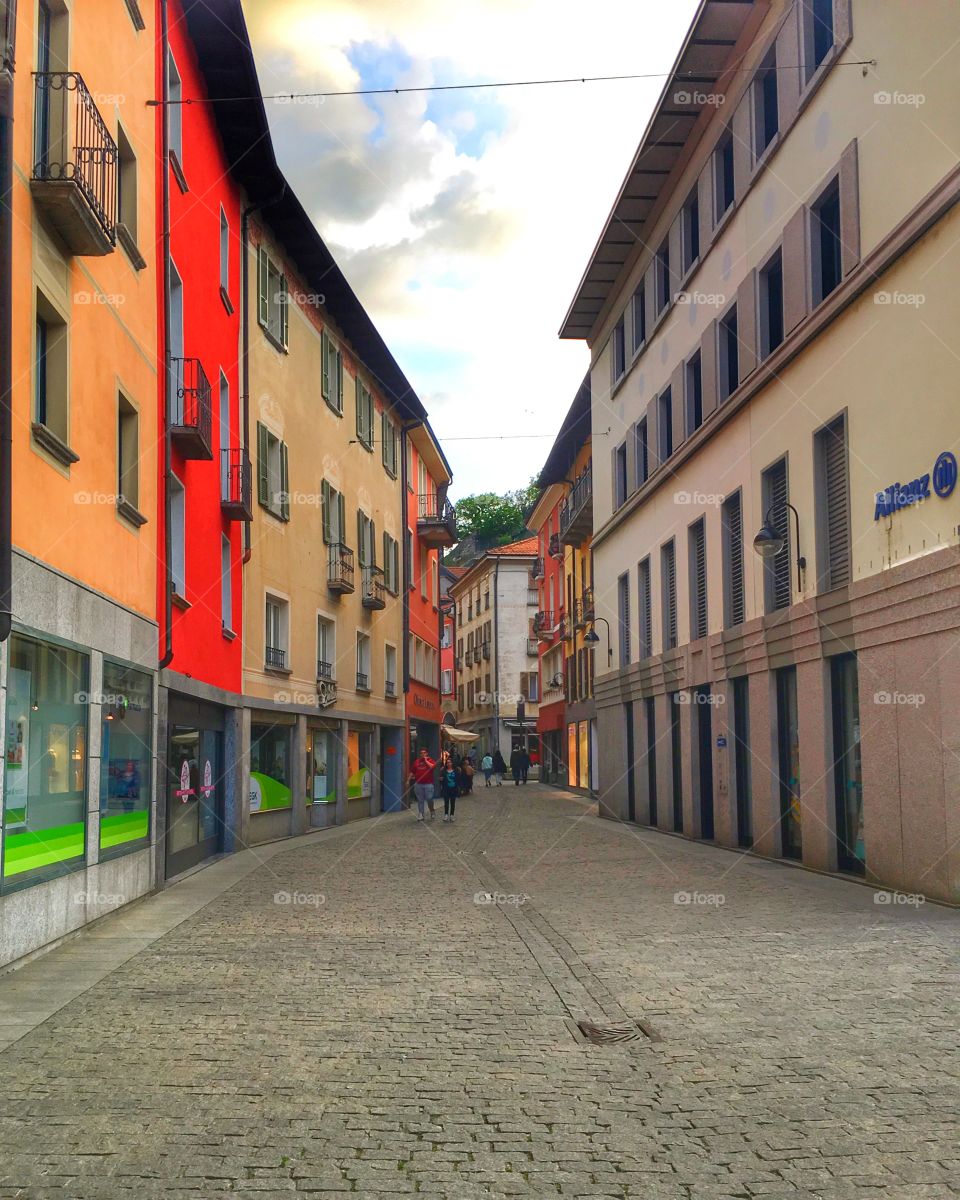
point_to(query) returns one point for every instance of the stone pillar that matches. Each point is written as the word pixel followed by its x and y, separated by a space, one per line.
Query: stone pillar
pixel 243 813
pixel 764 764
pixel 818 818
pixel 298 784
pixel 663 707
pixel 161 786
pixel 94 744
pixel 613 778
pixel 234 778
pixel 724 766
pixel 341 774
pixel 641 773
pixel 376 770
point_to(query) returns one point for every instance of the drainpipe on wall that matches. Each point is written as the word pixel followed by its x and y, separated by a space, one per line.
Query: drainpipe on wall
pixel 167 657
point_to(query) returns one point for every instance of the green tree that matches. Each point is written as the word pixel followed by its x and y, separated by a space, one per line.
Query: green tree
pixel 495 519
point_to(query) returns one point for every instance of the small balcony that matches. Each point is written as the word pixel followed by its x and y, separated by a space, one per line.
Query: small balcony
pixel 390 689
pixel 374 593
pixel 235 489
pixel 339 568
pixel 363 681
pixel 189 413
pixel 275 659
pixel 576 512
pixel 554 549
pixel 486 650
pixel 74 181
pixel 436 521
pixel 458 663
pixel 543 624
pixel 8 37
pixel 324 670
pixel 537 570
pixel 583 609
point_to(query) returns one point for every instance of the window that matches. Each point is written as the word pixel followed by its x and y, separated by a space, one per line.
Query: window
pixel 732 524
pixel 409 452
pixel 366 540
pixel 174 110
pixel 363 663
pixel 50 371
pixel 275 640
pixel 460 697
pixel 326 648
pixel 623 618
pixel 697 545
pixel 639 317
pixel 650 712
pixel 435 583
pixel 665 424
pixel 333 508
pixel 825 243
pixel 446 682
pixel 723 176
pixel 728 355
pixel 391 564
pixel 816 17
pixel 224 253
pixel 272 299
pixel 645 605
pixel 125 760
pixel 833 506
pixel 771 305
pixel 226 585
pixel 469 693
pixel 126 186
pixel 45 762
pixel 620 475
pixel 272 482
pixel 777 582
pixel 446 639
pixel 619 350
pixel 424 573
pixel 694 394
pixel 690 231
pixel 643 452
pixel 388 435
pixel 178 524
pixel 766 113
pixel 331 369
pixel 128 460
pixel 389 670
pixel 662 267
pixel 668 576
pixel 364 415
pixel 530 686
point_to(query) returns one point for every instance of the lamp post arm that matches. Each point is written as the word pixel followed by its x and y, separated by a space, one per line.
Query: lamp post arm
pixel 801 561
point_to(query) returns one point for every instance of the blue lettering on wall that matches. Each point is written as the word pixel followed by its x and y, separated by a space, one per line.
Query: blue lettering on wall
pixel 905 495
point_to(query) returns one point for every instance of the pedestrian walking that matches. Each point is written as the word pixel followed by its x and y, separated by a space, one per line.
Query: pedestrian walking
pixel 421 774
pixel 468 773
pixel 486 766
pixel 516 766
pixel 524 765
pixel 499 768
pixel 450 788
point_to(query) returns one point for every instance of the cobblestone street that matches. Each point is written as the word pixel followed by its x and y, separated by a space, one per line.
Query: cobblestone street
pixel 390 1008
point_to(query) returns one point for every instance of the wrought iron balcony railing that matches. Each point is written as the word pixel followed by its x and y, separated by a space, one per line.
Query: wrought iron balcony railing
pixel 537 570
pixel 374 594
pixel 74 180
pixel 235 485
pixel 275 658
pixel 486 650
pixel 543 623
pixel 390 689
pixel 189 408
pixel 8 39
pixel 436 520
pixel 583 609
pixel 324 670
pixel 576 512
pixel 339 568
pixel 363 681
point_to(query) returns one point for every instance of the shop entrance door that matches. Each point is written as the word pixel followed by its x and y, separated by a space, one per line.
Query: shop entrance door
pixel 704 717
pixel 195 801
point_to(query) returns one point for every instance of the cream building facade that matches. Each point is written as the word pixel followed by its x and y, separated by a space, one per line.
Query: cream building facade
pixel 772 318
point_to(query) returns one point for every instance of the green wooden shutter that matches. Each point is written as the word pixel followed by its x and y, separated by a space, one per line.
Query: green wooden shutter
pixel 359 391
pixel 263 476
pixel 361 547
pixel 284 298
pixel 341 519
pixel 325 366
pixel 386 562
pixel 372 539
pixel 263 301
pixel 383 437
pixel 396 566
pixel 339 357
pixel 284 484
pixel 325 509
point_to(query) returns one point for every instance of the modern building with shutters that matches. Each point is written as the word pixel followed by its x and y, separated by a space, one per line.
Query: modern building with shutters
pixel 772 318
pixel 497 674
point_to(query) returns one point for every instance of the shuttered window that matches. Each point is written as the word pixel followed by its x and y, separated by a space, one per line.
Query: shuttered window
pixel 833 502
pixel 364 415
pixel 645 605
pixel 698 580
pixel 271 299
pixel 734 611
pixel 778 576
pixel 389 440
pixel 391 564
pixel 272 474
pixel 332 506
pixel 366 540
pixel 668 575
pixel 643 452
pixel 623 617
pixel 331 373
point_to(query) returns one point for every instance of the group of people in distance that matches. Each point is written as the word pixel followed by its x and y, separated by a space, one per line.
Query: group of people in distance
pixel 453 776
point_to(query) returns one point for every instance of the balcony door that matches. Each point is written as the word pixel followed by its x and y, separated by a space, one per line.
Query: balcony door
pixel 175 347
pixel 224 436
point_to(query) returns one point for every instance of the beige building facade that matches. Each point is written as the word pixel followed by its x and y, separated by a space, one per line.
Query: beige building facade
pixel 773 321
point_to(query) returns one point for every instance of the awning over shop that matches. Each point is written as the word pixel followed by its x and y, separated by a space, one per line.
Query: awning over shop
pixel 458 735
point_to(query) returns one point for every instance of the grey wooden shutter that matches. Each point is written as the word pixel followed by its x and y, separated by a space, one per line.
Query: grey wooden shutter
pixel 705 206
pixel 747 326
pixel 263 299
pixel 359 397
pixel 668 560
pixel 263 472
pixel 708 369
pixel 842 22
pixel 341 518
pixel 645 605
pixel 284 483
pixel 794 259
pixel 742 146
pixel 623 587
pixel 372 539
pixel 780 572
pixel 675 246
pixel 849 209
pixel 788 69
pixel 677 399
pixel 387 561
pixel 733 521
pixel 284 314
pixel 325 367
pixel 698 565
pixel 653 435
pixel 361 540
pixel 325 511
pixel 836 504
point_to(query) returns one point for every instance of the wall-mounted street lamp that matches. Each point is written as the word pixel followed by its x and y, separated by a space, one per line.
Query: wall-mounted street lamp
pixel 593 637
pixel 770 542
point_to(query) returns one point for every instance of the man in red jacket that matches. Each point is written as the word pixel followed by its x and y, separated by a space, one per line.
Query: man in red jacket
pixel 421 773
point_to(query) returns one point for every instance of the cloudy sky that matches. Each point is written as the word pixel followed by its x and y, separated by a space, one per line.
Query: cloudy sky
pixel 464 219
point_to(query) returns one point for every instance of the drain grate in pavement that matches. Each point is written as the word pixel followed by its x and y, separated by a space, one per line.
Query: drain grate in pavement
pixel 604 1035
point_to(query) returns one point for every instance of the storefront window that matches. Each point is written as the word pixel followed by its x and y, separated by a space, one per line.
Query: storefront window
pixel 584 748
pixel 45 762
pixel 572 755
pixel 125 758
pixel 270 775
pixel 321 766
pixel 359 763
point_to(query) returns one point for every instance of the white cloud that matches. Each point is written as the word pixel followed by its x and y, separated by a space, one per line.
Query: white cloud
pixel 464 220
